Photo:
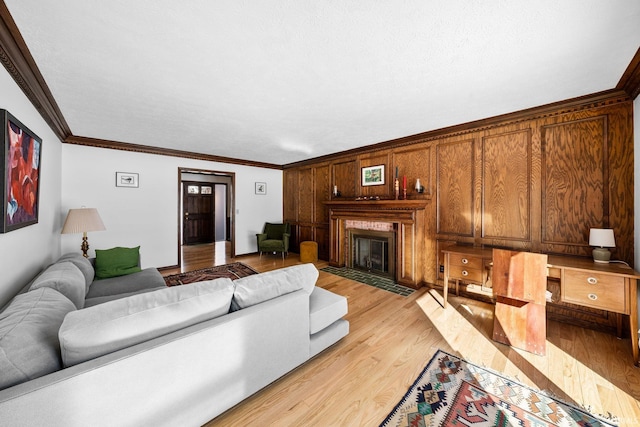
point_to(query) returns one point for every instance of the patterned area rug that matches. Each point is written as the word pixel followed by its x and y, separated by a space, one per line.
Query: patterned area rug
pixel 233 271
pixel 370 279
pixel 453 392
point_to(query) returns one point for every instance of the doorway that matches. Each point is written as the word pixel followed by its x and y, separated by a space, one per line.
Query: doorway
pixel 206 213
pixel 198 214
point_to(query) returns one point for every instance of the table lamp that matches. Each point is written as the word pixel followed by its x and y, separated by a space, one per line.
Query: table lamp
pixel 81 221
pixel 601 238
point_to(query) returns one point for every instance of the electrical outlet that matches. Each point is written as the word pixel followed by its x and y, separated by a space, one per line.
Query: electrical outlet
pixel 441 268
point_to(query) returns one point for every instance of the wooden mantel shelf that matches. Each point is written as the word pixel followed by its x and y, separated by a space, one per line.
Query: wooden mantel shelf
pixel 377 204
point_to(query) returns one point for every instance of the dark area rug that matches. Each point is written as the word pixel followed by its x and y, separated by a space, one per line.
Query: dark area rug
pixel 370 279
pixel 233 271
pixel 453 392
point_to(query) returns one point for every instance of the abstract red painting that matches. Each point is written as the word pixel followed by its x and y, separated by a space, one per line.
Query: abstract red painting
pixel 21 172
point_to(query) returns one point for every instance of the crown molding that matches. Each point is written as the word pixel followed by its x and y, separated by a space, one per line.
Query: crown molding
pixel 137 148
pixel 17 59
pixel 630 80
pixel 598 99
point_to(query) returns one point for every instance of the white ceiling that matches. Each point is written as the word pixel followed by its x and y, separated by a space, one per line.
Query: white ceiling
pixel 282 81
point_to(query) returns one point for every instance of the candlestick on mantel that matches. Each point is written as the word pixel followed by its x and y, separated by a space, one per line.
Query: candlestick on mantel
pixel 404 187
pixel 396 188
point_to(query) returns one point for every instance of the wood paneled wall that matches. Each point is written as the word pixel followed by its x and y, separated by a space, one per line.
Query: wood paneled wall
pixel 535 181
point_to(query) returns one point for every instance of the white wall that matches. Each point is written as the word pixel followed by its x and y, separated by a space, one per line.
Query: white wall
pixel 25 251
pixel 148 215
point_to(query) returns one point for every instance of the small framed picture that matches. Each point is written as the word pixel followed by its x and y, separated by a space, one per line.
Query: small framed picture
pixel 261 188
pixel 126 179
pixel 373 175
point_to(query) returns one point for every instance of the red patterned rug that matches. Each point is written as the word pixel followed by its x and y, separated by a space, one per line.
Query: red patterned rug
pixel 233 271
pixel 453 392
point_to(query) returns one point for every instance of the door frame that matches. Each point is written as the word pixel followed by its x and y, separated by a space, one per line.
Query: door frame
pixel 231 192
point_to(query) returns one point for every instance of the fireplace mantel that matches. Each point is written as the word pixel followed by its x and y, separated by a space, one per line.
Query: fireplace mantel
pixel 409 220
pixel 376 204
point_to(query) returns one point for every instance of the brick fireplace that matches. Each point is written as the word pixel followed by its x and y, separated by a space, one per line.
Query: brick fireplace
pixel 399 223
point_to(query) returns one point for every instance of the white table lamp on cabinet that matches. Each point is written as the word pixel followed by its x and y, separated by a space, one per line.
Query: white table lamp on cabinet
pixel 600 239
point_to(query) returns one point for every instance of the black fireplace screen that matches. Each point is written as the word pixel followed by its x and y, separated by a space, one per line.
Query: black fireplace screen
pixel 371 253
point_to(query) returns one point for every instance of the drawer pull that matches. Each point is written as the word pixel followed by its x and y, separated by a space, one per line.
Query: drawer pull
pixel 465 273
pixel 592 280
pixel 465 261
pixel 593 297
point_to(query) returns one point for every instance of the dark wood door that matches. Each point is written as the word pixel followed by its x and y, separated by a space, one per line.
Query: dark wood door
pixel 198 217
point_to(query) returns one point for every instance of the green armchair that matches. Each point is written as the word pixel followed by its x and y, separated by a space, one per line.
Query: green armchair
pixel 274 238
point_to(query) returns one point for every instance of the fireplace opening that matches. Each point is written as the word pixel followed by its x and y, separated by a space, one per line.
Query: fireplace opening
pixel 373 251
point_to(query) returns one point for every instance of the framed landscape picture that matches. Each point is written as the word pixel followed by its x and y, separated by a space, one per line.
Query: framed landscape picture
pixel 373 175
pixel 20 168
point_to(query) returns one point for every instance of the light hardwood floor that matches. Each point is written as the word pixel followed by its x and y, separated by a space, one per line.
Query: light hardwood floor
pixel 360 379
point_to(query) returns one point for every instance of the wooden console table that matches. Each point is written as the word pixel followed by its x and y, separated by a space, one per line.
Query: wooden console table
pixel 611 287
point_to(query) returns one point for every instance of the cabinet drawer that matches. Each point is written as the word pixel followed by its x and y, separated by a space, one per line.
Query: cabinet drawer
pixel 595 290
pixel 464 273
pixel 465 261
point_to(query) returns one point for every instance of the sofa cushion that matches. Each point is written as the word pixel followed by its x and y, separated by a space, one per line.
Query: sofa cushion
pixel 261 287
pixel 65 278
pixel 29 346
pixel 114 325
pixel 149 278
pixel 325 307
pixel 117 262
pixel 83 264
pixel 90 302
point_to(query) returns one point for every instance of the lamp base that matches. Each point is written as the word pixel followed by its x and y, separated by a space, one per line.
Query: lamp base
pixel 85 245
pixel 601 255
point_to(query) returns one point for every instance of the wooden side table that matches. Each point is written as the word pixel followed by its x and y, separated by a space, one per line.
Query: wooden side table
pixel 466 264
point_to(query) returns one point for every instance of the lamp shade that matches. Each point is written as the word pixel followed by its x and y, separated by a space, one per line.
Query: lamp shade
pixel 82 220
pixel 602 238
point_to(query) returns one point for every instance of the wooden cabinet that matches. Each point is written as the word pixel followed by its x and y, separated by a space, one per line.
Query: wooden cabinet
pixel 596 290
pixel 467 268
pixel 465 264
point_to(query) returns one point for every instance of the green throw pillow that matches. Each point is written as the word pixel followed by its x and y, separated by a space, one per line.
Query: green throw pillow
pixel 117 262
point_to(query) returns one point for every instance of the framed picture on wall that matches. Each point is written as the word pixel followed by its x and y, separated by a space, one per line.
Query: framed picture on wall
pixel 126 179
pixel 261 188
pixel 373 175
pixel 20 168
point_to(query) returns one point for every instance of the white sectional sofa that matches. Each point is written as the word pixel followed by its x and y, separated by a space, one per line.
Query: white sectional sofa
pixel 169 356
